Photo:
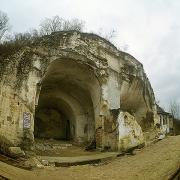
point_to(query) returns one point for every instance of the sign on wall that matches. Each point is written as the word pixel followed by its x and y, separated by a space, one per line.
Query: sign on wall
pixel 26 120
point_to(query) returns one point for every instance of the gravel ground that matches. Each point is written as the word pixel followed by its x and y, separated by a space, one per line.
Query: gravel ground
pixel 156 162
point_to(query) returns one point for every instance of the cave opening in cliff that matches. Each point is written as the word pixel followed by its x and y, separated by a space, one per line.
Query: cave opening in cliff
pixel 52 119
pixel 65 111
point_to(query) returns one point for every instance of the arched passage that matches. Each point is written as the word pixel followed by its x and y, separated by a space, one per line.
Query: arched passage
pixel 67 106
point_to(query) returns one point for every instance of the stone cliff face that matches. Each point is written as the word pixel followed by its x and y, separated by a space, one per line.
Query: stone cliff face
pixel 86 80
pixel 137 96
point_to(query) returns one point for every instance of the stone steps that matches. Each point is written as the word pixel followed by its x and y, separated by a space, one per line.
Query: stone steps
pixel 52 145
pixel 78 160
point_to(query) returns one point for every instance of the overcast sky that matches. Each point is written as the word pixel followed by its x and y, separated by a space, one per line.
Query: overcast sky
pixel 150 28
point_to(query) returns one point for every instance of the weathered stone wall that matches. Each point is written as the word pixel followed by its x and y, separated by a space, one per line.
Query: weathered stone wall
pixel 103 82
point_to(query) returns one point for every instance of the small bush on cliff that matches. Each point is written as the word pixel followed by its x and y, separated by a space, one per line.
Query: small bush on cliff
pixel 49 25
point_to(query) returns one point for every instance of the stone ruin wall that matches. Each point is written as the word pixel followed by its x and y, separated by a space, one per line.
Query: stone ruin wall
pixel 122 98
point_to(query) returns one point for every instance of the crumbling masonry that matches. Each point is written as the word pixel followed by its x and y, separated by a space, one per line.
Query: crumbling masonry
pixel 75 86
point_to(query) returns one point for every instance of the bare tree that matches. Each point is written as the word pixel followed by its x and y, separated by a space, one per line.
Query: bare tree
pixel 74 24
pixel 56 23
pixel 175 109
pixel 49 25
pixel 4 24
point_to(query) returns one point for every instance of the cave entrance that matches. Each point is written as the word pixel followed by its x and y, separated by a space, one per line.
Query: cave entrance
pixel 67 104
pixel 51 123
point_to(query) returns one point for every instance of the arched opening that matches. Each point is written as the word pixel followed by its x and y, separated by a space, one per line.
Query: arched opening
pixel 52 119
pixel 68 102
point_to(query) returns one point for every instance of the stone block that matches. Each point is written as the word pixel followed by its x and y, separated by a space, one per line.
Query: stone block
pixel 16 152
pixel 44 162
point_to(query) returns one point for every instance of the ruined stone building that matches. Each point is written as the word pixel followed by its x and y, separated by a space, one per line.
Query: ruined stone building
pixel 75 86
pixel 165 120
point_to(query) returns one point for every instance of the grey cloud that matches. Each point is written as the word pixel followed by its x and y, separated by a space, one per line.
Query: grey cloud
pixel 150 28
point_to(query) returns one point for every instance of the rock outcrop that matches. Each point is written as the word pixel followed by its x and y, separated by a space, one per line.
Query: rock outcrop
pixel 98 91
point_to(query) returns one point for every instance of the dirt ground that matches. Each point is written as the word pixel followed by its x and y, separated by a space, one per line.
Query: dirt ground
pixel 156 162
pixel 60 148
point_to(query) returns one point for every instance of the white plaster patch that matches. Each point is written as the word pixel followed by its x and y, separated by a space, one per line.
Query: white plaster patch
pixel 37 64
pixel 113 92
pixel 130 133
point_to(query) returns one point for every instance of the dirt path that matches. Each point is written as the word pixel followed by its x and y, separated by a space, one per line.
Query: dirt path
pixel 156 162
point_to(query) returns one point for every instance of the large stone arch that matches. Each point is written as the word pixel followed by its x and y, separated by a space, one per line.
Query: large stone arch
pixel 72 89
pixel 92 82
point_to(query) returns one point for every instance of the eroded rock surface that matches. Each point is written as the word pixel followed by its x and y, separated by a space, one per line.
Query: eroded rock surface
pixel 87 81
